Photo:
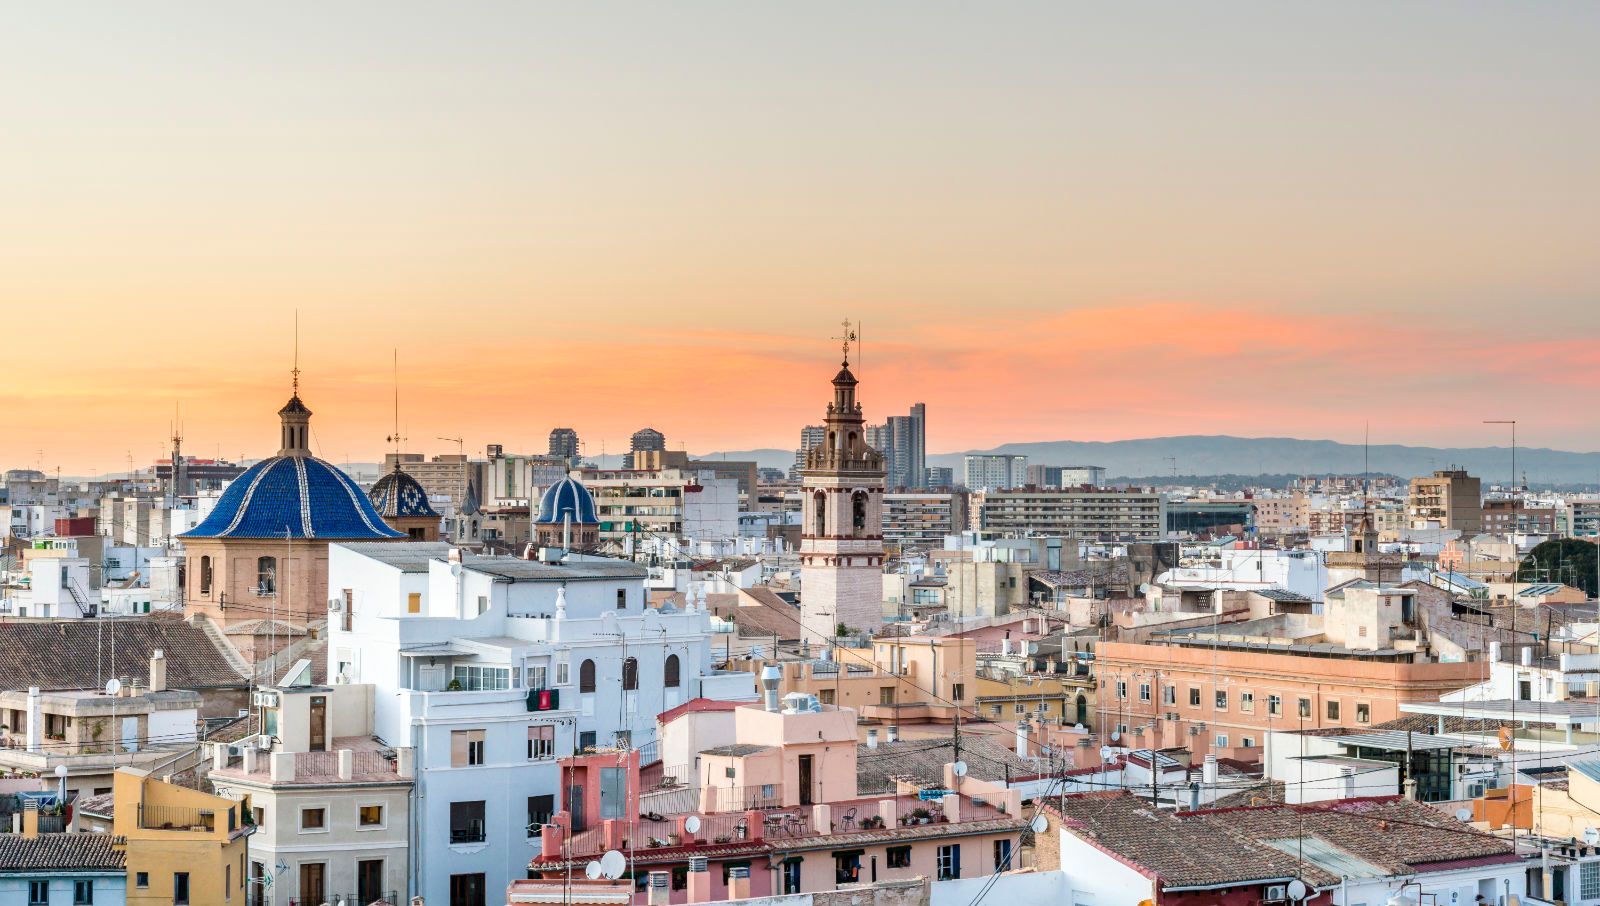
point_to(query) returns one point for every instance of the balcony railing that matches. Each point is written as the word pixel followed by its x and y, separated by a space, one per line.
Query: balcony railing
pixel 348 899
pixel 744 798
pixel 184 818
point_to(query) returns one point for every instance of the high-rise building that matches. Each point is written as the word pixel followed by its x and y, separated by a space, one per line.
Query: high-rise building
pixel 1108 515
pixel 810 436
pixel 907 453
pixel 1066 476
pixel 940 477
pixel 841 532
pixel 995 471
pixel 645 440
pixel 564 443
pixel 1450 499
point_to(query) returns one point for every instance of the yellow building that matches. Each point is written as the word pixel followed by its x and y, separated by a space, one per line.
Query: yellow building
pixel 183 846
pixel 1060 700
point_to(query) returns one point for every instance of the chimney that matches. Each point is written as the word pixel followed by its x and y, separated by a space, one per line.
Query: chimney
pixel 30 819
pixel 872 739
pixel 219 756
pixel 894 733
pixel 158 671
pixel 699 880
pixel 1022 738
pixel 250 758
pixel 1194 796
pixel 1494 652
pixel 1208 770
pixel 405 764
pixel 770 676
pixel 1348 778
pixel 35 719
pixel 739 882
pixel 347 763
pixel 1527 655
pixel 660 888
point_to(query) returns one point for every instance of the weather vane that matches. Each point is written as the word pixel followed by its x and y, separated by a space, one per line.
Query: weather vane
pixel 846 339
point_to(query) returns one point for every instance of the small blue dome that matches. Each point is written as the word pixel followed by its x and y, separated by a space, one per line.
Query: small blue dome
pixel 298 495
pixel 398 494
pixel 567 499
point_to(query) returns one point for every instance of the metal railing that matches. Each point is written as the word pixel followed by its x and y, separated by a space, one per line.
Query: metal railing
pixel 744 798
pixel 346 899
pixel 185 818
pixel 666 777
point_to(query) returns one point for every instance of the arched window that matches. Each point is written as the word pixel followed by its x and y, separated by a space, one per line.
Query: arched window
pixel 819 514
pixel 1083 710
pixel 586 676
pixel 630 674
pixel 858 512
pixel 267 576
pixel 672 672
pixel 205 575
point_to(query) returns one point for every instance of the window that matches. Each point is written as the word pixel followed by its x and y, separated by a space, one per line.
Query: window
pixel 994 710
pixel 141 879
pixel 371 816
pixel 540 808
pixel 949 862
pixel 260 815
pixel 672 673
pixel 791 876
pixel 885 695
pixel 1247 702
pixel 1248 742
pixel 1019 708
pixel 1222 740
pixel 847 867
pixel 483 604
pixel 414 602
pixel 1222 699
pixel 468 890
pixel 541 742
pixel 630 675
pixel 266 579
pixel 313 819
pixel 1333 709
pixel 825 696
pixel 1144 692
pixel 958 691
pixel 899 857
pixel 205 575
pixel 622 599
pixel 466 822
pixel 586 741
pixel 1364 716
pixel 586 676
pixel 227 883
pixel 1194 696
pixel 1122 688
pixel 479 679
pixel 180 888
pixel 1002 855
pixel 1274 705
pixel 1169 695
pixel 466 748
pixel 563 672
pixel 858 515
pixel 538 677
pixel 1305 707
pixel 38 893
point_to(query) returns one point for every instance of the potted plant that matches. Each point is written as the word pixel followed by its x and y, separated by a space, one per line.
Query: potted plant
pixel 724 838
pixel 921 815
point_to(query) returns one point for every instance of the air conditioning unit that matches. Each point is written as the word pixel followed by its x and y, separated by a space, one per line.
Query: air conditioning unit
pixel 1276 893
pixel 335 605
pixel 264 699
pixel 264 742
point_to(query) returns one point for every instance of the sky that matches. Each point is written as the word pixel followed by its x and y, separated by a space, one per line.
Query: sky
pixel 1053 221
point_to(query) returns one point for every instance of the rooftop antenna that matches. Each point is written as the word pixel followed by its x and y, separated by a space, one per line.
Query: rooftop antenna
pixel 845 339
pixel 295 372
pixel 460 443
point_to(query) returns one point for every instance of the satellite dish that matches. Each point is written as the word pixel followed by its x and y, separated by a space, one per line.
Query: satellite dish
pixel 612 864
pixel 1463 814
pixel 1296 889
pixel 1105 753
pixel 959 769
pixel 1116 735
pixel 455 570
pixel 113 686
pixel 1039 824
pixel 592 871
pixel 691 823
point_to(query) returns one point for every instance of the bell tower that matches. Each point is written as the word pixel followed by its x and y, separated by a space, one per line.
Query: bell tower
pixel 841 538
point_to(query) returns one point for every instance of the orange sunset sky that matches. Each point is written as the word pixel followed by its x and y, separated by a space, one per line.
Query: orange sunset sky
pixel 1055 221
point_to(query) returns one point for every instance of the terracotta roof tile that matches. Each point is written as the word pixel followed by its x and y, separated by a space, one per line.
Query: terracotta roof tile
pixel 77 654
pixel 60 852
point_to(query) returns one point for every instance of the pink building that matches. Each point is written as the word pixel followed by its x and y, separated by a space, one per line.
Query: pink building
pixel 778 813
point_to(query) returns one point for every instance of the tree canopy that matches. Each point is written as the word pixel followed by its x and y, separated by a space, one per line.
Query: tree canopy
pixel 1569 560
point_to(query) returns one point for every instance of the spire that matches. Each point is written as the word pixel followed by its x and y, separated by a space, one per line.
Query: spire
pixel 294 417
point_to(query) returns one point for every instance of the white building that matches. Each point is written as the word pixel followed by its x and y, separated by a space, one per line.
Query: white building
pixel 994 471
pixel 491 668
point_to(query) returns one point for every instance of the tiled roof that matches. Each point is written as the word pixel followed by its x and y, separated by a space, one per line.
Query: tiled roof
pixel 398 494
pixel 77 654
pixel 695 705
pixel 567 499
pixel 1236 845
pixel 1284 595
pixel 1266 792
pixel 737 750
pixel 295 496
pixel 61 852
pixel 101 806
pixel 922 762
pixel 758 613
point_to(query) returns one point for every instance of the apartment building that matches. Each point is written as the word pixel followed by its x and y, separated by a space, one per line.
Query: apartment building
pixel 1448 499
pixel 994 471
pixel 1041 476
pixel 921 521
pixel 668 503
pixel 1105 514
pixel 181 845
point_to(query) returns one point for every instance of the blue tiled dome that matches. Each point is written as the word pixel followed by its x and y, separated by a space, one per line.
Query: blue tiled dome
pixel 398 494
pixel 567 499
pixel 297 494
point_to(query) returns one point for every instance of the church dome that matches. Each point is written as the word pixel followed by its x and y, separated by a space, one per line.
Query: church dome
pixel 294 495
pixel 567 500
pixel 301 495
pixel 398 494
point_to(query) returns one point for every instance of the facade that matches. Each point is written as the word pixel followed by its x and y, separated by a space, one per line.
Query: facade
pixel 920 521
pixel 1448 499
pixel 564 444
pixel 1104 515
pixel 511 479
pixel 906 456
pixel 841 530
pixel 331 807
pixel 667 503
pixel 810 436
pixel 994 471
pixel 1505 516
pixel 941 478
pixel 182 845
pixel 41 868
pixel 263 550
pixel 644 440
pixel 492 668
pixel 446 475
pixel 1066 476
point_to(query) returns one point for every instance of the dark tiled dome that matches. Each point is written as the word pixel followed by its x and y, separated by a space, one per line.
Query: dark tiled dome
pixel 297 496
pixel 567 500
pixel 398 494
